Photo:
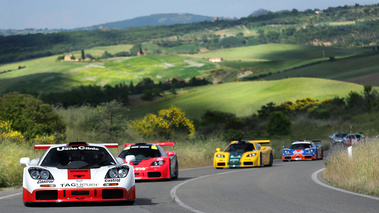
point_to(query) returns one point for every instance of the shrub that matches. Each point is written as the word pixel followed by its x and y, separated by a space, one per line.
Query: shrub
pixel 31 116
pixel 164 124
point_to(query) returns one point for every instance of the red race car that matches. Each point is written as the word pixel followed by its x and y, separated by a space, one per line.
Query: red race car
pixel 152 161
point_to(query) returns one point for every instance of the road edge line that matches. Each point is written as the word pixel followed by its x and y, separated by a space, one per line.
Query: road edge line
pixel 316 180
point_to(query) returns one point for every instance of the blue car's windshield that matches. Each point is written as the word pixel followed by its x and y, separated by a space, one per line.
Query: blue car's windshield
pixel 300 146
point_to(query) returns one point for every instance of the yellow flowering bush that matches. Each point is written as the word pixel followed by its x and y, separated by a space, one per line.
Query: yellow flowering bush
pixel 300 104
pixel 50 139
pixel 7 133
pixel 164 124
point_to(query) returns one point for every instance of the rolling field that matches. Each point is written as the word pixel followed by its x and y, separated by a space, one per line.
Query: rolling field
pixel 277 52
pixel 342 69
pixel 245 98
pixel 280 57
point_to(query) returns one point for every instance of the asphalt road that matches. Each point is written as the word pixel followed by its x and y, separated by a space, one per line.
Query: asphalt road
pixel 284 187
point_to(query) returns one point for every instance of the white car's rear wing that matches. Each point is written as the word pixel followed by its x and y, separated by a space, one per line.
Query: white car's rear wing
pixel 46 146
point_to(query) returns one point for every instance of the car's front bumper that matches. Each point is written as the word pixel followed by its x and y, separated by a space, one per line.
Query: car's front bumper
pixel 299 157
pixel 57 195
pixel 244 162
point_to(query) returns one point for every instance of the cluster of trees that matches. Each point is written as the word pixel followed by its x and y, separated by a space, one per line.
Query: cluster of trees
pixel 94 95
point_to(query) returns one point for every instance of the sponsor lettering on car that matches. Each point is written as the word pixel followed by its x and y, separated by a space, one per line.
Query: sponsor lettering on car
pixel 112 180
pixel 63 148
pixel 78 185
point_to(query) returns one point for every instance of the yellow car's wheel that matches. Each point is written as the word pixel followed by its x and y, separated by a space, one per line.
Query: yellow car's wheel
pixel 271 160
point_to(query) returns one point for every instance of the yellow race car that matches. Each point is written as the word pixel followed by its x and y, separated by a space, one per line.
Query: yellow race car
pixel 244 153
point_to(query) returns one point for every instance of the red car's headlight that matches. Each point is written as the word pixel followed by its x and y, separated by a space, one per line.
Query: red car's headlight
pixel 157 163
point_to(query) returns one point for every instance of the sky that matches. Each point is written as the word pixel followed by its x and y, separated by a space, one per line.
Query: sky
pixel 69 14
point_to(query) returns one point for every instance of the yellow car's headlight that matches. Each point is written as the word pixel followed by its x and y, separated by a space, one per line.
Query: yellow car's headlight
pixel 251 155
pixel 220 156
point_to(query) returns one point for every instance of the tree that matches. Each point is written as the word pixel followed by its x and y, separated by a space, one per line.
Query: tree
pixel 369 98
pixel 60 58
pixel 165 124
pixel 106 54
pixel 107 122
pixel 31 116
pixel 83 55
pixel 278 124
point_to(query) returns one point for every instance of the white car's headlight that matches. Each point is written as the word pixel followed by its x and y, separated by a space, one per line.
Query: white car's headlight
pixel 310 150
pixel 220 156
pixel 286 151
pixel 157 163
pixel 251 155
pixel 40 174
pixel 118 172
pixel 122 172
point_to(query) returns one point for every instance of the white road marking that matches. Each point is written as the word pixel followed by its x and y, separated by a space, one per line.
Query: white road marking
pixel 315 179
pixel 178 201
pixel 12 195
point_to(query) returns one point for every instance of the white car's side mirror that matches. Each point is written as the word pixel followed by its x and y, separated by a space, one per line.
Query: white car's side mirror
pixel 130 158
pixel 25 161
pixel 120 160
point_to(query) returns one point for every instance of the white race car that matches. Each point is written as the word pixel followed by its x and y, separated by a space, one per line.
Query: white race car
pixel 78 172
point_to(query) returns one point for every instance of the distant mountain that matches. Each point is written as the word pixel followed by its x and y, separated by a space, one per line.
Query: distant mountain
pixel 152 20
pixel 260 12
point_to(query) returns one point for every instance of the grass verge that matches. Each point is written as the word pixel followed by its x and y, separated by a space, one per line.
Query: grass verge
pixel 360 173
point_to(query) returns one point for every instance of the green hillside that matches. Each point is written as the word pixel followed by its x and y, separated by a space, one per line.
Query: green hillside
pixel 47 74
pixel 245 98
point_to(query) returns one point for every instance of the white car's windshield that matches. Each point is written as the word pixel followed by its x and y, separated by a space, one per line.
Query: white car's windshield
pixel 78 157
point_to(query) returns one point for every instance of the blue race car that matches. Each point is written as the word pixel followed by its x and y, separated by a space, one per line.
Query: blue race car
pixel 303 150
